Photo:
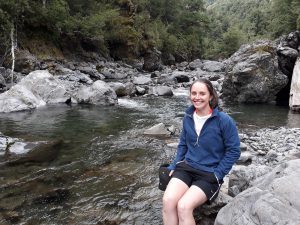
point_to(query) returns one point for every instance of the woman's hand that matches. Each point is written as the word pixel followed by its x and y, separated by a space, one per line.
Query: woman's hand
pixel 171 172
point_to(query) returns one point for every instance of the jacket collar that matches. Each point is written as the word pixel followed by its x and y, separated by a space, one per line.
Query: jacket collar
pixel 190 111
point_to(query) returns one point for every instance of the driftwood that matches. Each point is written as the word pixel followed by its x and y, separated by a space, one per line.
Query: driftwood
pixel 294 101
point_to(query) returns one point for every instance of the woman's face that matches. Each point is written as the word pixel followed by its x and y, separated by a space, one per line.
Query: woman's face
pixel 200 96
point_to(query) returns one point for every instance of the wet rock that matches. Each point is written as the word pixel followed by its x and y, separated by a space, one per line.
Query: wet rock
pixel 56 195
pixel 10 217
pixel 20 153
pixel 5 142
pixel 158 129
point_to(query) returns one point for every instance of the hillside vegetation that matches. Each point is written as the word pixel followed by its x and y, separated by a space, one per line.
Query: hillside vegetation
pixel 185 29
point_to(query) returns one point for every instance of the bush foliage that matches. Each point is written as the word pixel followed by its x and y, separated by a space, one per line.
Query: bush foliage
pixel 186 29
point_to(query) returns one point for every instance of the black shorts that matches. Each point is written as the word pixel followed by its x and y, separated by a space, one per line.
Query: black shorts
pixel 206 181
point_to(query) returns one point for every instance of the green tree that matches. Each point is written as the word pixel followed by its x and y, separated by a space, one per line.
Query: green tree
pixel 284 19
pixel 232 40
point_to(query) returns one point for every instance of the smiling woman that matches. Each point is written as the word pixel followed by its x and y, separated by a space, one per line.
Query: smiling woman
pixel 209 146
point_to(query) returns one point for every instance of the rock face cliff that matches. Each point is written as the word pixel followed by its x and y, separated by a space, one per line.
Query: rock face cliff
pixel 253 75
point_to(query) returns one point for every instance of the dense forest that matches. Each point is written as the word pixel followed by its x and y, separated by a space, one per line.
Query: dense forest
pixel 182 29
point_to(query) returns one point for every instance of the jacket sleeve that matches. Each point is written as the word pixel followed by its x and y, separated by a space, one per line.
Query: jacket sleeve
pixel 181 150
pixel 232 147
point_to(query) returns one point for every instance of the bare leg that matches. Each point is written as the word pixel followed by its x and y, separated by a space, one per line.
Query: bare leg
pixel 175 190
pixel 192 198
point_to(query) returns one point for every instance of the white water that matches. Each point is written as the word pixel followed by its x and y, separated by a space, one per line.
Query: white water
pixel 181 92
pixel 130 103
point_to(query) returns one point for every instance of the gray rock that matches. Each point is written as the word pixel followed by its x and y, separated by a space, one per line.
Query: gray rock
pixel 142 80
pixel 253 75
pixel 21 152
pixel 160 91
pixel 245 158
pixel 110 73
pixel 213 66
pixel 197 63
pixel 157 130
pixel 99 93
pixel 272 199
pixel 119 88
pixel 130 89
pixel 241 177
pixel 140 90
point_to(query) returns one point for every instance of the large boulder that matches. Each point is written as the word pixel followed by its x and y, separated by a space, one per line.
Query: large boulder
pixel 40 88
pixel 44 86
pixel 100 93
pixel 253 75
pixel 272 199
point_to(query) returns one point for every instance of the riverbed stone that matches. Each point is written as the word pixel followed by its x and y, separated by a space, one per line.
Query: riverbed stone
pixel 158 129
pixel 213 66
pixel 100 93
pixel 19 153
pixel 272 199
pixel 119 88
pixel 142 80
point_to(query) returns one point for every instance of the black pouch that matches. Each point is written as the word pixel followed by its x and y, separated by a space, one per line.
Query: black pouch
pixel 164 177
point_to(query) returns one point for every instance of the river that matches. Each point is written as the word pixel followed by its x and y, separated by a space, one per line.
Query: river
pixel 106 169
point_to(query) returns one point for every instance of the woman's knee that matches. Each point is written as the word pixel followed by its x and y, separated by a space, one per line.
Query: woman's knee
pixel 184 208
pixel 169 202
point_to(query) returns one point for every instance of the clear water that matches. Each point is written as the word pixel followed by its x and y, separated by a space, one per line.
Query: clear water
pixel 106 169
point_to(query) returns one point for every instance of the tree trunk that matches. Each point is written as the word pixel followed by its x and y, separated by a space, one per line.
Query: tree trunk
pixel 12 54
pixel 44 4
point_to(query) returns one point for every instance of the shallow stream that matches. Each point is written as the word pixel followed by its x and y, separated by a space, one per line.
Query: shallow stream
pixel 106 169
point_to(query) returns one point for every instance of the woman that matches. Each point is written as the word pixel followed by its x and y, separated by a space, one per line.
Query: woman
pixel 209 146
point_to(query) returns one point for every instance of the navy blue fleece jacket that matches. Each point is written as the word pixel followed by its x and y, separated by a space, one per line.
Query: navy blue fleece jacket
pixel 217 147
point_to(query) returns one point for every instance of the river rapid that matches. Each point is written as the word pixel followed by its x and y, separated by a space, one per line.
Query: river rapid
pixel 106 169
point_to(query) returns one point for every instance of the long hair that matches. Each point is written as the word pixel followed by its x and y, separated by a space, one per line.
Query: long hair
pixel 214 101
